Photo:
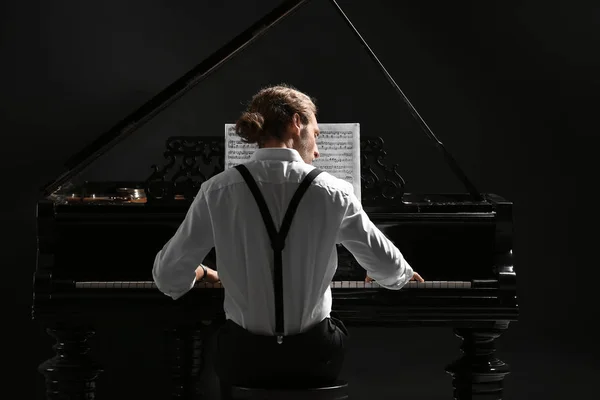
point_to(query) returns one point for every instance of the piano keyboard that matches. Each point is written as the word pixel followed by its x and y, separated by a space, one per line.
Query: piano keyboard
pixel 334 285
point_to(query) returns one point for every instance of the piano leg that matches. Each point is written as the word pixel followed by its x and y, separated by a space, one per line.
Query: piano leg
pixel 71 373
pixel 478 374
pixel 187 361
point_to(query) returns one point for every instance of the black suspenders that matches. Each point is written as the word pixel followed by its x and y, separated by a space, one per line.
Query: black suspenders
pixel 278 238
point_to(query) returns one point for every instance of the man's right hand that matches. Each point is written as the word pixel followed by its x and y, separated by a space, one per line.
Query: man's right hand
pixel 417 277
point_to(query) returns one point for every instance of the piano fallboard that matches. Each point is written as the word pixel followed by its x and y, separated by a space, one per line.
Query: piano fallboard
pixel 127 238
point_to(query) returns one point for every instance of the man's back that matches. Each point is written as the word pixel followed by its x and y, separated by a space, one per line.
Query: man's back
pixel 244 251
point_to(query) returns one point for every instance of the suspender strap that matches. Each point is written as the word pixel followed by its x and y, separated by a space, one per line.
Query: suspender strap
pixel 277 238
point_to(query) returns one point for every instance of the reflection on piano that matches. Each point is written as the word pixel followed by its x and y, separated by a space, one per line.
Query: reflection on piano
pixel 461 243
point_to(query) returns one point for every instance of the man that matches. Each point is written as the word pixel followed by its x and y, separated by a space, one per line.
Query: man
pixel 308 346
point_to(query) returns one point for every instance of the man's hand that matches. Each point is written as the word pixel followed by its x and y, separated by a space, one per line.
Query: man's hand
pixel 212 276
pixel 415 277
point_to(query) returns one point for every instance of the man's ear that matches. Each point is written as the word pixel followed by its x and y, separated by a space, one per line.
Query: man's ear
pixel 296 123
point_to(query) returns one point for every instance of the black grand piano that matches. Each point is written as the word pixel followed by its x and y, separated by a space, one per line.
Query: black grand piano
pixel 97 241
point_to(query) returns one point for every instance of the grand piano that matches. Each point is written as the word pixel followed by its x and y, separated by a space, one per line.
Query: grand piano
pixel 97 241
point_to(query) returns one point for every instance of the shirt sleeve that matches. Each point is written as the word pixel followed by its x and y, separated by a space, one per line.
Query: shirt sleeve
pixel 174 270
pixel 372 249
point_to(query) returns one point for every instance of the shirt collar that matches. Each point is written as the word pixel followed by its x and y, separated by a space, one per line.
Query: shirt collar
pixel 279 154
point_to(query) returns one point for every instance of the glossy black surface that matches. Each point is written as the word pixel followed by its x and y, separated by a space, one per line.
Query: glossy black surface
pixel 93 242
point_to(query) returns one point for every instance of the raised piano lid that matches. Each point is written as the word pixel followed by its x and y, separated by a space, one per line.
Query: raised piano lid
pixel 133 162
pixel 103 161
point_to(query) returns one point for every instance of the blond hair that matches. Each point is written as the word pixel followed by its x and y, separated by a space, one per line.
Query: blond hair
pixel 270 112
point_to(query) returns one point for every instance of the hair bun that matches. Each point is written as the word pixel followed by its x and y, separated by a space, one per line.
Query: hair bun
pixel 250 126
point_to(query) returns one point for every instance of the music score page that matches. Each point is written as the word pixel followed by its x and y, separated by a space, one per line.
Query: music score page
pixel 338 144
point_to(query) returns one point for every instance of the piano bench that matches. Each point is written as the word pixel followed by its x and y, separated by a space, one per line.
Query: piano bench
pixel 335 391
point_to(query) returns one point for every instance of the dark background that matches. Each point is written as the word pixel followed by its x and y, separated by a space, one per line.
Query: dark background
pixel 509 87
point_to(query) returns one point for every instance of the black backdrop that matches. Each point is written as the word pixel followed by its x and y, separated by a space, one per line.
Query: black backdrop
pixel 509 87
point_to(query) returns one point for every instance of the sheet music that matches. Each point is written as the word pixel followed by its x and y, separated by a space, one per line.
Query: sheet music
pixel 339 151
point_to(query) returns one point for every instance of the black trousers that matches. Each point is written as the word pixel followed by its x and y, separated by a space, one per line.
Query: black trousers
pixel 311 358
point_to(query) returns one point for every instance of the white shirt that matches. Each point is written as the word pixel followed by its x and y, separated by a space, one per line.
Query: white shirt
pixel 225 215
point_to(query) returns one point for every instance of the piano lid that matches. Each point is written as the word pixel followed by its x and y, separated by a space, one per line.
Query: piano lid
pixel 107 158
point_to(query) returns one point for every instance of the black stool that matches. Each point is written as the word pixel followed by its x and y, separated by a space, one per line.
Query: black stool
pixel 335 391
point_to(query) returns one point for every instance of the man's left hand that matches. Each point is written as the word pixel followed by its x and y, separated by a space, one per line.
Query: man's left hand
pixel 212 275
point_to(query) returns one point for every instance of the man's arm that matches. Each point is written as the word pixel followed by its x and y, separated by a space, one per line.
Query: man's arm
pixel 372 249
pixel 174 270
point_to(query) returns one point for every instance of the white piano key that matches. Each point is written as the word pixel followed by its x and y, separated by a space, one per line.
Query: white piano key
pixel 413 285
